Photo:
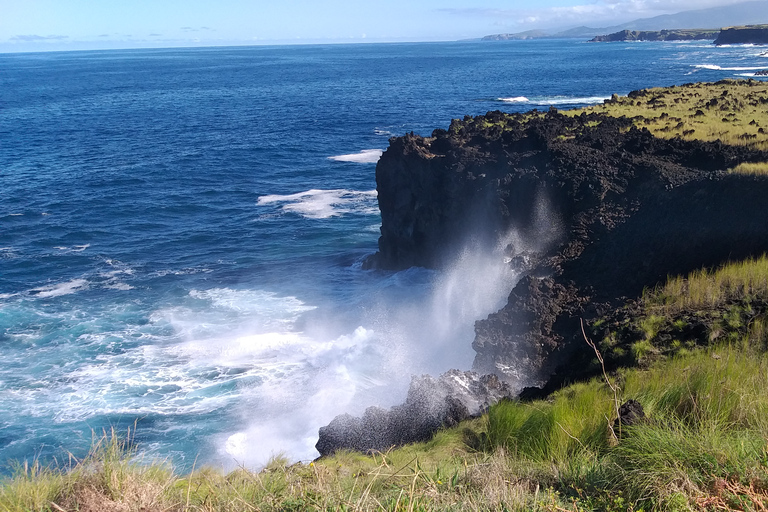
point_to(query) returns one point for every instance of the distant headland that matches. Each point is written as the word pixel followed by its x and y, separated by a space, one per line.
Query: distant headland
pixel 747 34
pixel 658 35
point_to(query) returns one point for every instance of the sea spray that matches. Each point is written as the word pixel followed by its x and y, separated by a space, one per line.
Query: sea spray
pixel 400 336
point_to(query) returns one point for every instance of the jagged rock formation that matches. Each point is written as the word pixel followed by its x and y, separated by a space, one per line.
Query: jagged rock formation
pixel 601 210
pixel 657 35
pixel 631 209
pixel 431 404
pixel 749 34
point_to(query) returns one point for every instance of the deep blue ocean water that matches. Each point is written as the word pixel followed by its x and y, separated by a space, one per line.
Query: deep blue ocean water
pixel 182 230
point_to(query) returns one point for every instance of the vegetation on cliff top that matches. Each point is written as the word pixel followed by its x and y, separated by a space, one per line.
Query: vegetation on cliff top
pixel 731 111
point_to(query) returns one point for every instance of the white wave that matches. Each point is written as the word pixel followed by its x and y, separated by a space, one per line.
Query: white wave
pixel 556 100
pixel 366 156
pixel 182 272
pixel 516 99
pixel 714 67
pixel 118 285
pixel 322 204
pixel 385 133
pixel 74 248
pixel 59 289
pixel 253 301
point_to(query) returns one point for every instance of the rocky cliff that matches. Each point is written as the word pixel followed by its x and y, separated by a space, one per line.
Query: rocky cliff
pixel 749 34
pixel 589 210
pixel 622 211
pixel 657 35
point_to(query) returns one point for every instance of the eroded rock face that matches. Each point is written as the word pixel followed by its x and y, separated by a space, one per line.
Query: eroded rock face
pixel 624 209
pixel 750 34
pixel 432 403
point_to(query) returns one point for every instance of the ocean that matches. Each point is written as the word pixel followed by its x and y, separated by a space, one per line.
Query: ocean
pixel 182 233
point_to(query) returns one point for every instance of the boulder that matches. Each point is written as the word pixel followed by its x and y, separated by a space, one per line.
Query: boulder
pixel 432 403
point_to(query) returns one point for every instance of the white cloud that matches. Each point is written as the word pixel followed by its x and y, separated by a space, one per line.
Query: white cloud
pixel 35 38
pixel 591 13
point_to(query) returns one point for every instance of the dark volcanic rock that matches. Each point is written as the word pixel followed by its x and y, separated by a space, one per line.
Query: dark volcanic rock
pixel 630 413
pixel 657 35
pixel 607 209
pixel 432 403
pixel 750 34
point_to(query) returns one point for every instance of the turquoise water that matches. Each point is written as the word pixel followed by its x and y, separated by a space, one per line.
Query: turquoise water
pixel 182 231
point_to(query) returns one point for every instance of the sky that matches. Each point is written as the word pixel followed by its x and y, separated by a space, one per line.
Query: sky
pixel 35 25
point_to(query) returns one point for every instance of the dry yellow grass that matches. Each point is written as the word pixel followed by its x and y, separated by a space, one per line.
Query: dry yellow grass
pixel 709 289
pixel 752 169
pixel 734 112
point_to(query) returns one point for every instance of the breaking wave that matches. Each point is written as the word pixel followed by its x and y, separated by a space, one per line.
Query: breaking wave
pixel 714 67
pixel 366 156
pixel 555 100
pixel 322 204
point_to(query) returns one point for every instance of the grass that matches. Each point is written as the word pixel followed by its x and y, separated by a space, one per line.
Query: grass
pixel 751 169
pixel 703 446
pixel 731 111
pixel 708 289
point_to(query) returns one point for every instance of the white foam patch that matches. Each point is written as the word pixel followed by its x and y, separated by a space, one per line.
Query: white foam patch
pixel 366 156
pixel 265 303
pixel 555 100
pixel 516 99
pixel 118 286
pixel 322 204
pixel 59 289
pixel 75 248
pixel 714 67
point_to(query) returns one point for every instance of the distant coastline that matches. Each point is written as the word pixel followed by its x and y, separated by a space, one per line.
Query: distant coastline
pixel 658 35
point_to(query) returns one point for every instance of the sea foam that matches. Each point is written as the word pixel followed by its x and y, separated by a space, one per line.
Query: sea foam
pixel 59 289
pixel 714 67
pixel 555 100
pixel 366 156
pixel 322 204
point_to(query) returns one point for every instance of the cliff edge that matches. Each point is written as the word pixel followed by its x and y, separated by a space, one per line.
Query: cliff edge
pixel 605 209
pixel 749 34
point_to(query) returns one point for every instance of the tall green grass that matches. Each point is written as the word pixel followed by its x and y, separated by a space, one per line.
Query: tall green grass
pixel 710 289
pixel 707 422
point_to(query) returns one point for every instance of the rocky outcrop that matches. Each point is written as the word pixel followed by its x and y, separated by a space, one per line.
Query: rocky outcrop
pixel 432 403
pixel 606 209
pixel 749 34
pixel 657 35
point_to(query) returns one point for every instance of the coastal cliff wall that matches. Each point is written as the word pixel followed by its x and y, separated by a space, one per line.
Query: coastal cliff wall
pixel 630 209
pixel 750 34
pixel 657 35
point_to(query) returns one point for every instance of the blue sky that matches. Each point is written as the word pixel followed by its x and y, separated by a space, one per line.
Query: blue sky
pixel 29 25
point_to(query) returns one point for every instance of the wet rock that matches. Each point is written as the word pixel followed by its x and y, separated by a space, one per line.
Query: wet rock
pixel 432 403
pixel 630 413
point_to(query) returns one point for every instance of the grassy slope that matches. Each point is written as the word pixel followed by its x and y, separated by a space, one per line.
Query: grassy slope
pixel 698 350
pixel 732 111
